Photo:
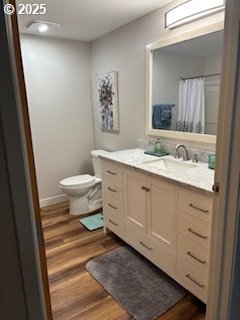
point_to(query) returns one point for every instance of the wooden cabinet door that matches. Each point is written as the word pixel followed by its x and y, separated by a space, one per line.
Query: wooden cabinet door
pixel 135 200
pixel 161 214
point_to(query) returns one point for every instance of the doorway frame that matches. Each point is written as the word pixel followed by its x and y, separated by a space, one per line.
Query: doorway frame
pixel 15 126
pixel 225 287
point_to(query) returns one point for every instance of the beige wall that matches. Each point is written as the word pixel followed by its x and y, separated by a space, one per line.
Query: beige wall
pixel 123 50
pixel 57 74
pixel 213 64
pixel 212 92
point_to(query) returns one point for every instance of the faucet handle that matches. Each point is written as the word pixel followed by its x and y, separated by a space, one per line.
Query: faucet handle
pixel 195 158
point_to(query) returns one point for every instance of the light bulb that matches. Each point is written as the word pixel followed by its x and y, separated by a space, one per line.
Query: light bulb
pixel 43 28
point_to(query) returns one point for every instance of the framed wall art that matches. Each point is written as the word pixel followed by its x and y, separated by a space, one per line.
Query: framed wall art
pixel 107 101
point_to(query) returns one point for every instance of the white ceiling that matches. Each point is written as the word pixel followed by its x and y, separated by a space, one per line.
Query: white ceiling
pixel 87 20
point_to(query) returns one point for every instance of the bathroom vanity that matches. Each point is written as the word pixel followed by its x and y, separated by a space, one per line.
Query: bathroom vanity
pixel 162 207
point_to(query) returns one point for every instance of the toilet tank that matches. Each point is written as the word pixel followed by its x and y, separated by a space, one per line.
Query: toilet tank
pixel 96 161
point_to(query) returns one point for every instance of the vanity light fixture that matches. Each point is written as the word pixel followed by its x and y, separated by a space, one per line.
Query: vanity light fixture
pixel 191 10
pixel 42 26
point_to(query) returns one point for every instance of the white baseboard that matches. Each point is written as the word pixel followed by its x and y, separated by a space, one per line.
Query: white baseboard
pixel 53 200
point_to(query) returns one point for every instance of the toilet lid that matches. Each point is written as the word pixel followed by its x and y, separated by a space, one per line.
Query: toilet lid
pixel 83 180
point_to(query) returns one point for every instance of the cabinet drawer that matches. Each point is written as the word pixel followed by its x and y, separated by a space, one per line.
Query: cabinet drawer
pixel 196 204
pixel 112 207
pixel 155 252
pixel 194 229
pixel 115 224
pixel 112 172
pixel 111 191
pixel 138 240
pixel 193 253
pixel 113 216
pixel 193 279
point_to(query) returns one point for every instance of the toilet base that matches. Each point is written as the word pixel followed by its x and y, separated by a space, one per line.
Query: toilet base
pixel 81 206
pixel 78 206
pixel 95 205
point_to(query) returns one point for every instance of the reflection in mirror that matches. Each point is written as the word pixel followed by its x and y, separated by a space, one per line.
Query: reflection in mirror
pixel 186 85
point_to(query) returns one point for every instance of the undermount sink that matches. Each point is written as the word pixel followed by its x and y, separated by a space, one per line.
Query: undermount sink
pixel 169 164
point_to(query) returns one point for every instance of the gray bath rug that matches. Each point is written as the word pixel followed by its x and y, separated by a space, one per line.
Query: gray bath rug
pixel 143 290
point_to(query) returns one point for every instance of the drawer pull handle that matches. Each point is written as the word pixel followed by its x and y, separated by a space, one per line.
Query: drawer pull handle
pixel 111 206
pixel 197 234
pixel 194 257
pixel 194 281
pixel 110 172
pixel 145 189
pixel 113 190
pixel 145 246
pixel 112 222
pixel 197 208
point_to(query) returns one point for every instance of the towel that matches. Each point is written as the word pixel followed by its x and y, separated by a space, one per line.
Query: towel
pixel 162 116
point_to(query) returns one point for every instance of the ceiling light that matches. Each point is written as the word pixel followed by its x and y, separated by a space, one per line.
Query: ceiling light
pixel 42 26
pixel 191 10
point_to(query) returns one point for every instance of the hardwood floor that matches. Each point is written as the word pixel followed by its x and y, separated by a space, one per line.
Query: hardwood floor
pixel 75 295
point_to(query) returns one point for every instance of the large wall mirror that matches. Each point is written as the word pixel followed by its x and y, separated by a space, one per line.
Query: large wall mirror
pixel 184 87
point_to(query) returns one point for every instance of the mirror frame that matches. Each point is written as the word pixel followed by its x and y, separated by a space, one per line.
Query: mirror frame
pixel 186 136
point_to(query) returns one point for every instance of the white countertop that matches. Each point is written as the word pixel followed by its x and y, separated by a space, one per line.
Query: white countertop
pixel 198 177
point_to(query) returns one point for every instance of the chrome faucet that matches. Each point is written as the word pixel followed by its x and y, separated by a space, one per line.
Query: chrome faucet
pixel 185 149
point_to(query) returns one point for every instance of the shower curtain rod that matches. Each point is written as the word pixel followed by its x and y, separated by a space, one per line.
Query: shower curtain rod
pixel 206 76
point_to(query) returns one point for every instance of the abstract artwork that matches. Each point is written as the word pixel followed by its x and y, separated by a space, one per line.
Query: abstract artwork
pixel 107 101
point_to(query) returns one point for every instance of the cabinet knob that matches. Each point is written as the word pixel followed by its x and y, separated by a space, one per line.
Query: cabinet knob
pixel 197 208
pixel 145 246
pixel 111 206
pixel 111 189
pixel 111 172
pixel 195 258
pixel 112 222
pixel 145 189
pixel 194 281
pixel 197 234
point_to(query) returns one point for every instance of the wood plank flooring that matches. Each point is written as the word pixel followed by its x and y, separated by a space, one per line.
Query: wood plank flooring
pixel 75 295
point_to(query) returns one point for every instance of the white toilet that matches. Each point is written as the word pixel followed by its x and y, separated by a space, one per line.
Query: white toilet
pixel 85 191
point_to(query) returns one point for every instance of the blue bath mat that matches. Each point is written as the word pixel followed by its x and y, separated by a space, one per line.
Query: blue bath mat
pixel 93 222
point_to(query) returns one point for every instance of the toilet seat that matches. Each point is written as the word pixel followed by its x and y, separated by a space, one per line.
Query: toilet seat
pixel 82 181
